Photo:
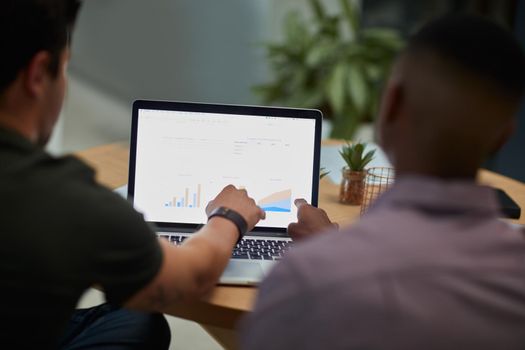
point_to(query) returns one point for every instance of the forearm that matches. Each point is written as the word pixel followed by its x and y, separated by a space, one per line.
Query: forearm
pixel 220 233
pixel 210 249
pixel 188 271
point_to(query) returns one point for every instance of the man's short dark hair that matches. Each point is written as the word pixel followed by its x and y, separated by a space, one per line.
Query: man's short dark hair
pixel 30 26
pixel 478 46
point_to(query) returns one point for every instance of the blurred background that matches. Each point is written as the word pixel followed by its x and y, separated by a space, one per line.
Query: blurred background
pixel 328 54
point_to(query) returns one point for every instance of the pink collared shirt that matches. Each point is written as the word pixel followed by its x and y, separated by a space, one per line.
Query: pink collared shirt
pixel 431 266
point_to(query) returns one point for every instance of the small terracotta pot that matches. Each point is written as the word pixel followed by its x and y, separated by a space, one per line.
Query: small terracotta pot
pixel 352 187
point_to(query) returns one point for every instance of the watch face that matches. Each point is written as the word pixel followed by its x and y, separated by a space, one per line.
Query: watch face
pixel 221 211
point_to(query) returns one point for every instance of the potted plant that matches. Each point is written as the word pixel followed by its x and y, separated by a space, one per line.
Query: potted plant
pixel 323 172
pixel 353 183
pixel 331 63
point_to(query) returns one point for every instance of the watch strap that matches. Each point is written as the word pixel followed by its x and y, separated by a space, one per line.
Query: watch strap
pixel 234 217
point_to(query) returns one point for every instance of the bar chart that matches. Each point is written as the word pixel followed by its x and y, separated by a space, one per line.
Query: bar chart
pixel 189 199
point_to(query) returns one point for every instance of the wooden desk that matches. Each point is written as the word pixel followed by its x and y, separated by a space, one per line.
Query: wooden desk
pixel 219 312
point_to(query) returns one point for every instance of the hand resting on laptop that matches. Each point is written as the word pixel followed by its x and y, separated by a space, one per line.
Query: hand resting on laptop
pixel 191 270
pixel 310 221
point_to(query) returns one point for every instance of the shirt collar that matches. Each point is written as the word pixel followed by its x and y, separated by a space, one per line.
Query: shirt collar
pixel 438 195
pixel 15 140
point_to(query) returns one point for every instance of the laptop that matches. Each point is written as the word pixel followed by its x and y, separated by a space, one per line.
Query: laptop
pixel 183 154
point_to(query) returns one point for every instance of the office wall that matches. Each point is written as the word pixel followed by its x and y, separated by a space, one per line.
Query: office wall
pixel 187 49
pixel 205 50
pixel 199 50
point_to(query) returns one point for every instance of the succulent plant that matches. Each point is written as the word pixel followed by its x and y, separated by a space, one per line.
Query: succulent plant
pixel 323 172
pixel 352 154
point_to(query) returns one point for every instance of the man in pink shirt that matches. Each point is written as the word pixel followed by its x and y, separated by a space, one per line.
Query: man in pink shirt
pixel 431 265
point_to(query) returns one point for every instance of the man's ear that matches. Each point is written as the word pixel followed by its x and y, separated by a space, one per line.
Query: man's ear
pixel 392 102
pixel 36 75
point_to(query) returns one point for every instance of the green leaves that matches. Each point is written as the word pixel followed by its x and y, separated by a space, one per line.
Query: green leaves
pixel 318 66
pixel 348 92
pixel 382 37
pixel 352 154
pixel 323 172
pixel 296 32
pixel 358 87
pixel 321 53
pixel 345 125
pixel 337 88
pixel 351 14
pixel 318 9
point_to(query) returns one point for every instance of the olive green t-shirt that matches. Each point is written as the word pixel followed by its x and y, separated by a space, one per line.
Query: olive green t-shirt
pixel 60 233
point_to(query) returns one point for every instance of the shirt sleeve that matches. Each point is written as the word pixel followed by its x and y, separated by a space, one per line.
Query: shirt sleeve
pixel 122 252
pixel 129 257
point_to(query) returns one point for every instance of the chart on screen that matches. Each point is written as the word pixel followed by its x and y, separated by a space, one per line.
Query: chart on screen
pixel 186 160
pixel 186 200
pixel 280 202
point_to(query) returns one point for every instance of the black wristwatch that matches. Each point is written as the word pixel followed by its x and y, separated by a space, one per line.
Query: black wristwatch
pixel 234 217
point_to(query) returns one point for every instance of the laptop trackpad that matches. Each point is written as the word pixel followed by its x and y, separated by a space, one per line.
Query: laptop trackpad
pixel 242 271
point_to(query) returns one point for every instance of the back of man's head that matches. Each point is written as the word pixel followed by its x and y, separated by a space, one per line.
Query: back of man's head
pixel 461 79
pixel 30 26
pixel 478 46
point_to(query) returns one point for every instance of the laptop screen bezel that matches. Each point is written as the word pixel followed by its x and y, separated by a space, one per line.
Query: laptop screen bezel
pixel 224 109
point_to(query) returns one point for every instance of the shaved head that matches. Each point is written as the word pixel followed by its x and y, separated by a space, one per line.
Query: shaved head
pixel 452 96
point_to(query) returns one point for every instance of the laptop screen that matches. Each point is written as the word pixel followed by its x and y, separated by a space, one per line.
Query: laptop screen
pixel 183 159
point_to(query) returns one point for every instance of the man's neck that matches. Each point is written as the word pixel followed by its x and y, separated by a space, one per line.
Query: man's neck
pixel 19 125
pixel 436 172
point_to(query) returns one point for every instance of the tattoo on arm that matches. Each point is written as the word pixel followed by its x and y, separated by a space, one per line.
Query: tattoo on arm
pixel 158 300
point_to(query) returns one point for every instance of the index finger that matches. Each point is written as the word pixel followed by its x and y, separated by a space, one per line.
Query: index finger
pixel 229 188
pixel 299 202
pixel 262 213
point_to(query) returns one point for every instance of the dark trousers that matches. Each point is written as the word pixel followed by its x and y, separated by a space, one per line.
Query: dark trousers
pixel 112 328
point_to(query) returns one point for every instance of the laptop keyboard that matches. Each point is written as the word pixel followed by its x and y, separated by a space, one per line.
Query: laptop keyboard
pixel 247 248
